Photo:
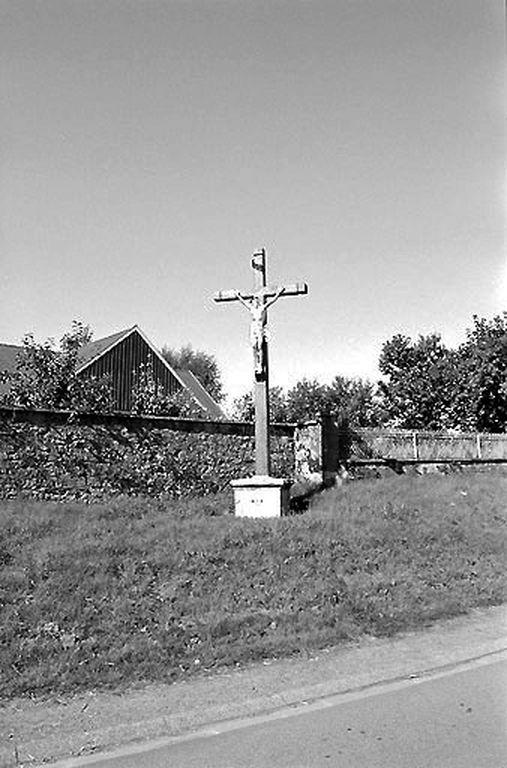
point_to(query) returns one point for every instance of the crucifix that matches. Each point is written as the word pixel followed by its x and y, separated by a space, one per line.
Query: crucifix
pixel 257 302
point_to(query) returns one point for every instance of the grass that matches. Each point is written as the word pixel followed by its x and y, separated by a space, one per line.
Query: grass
pixel 109 595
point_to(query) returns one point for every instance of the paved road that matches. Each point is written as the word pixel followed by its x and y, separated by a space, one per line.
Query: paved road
pixel 454 719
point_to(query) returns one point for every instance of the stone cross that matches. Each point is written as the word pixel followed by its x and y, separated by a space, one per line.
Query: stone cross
pixel 257 302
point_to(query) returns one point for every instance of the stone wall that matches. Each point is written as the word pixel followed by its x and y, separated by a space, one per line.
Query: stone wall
pixel 62 456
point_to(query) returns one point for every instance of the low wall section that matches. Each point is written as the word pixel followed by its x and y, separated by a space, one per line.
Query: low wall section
pixel 64 456
pixel 426 446
pixel 335 445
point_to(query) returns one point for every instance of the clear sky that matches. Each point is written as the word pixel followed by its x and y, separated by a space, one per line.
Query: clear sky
pixel 148 147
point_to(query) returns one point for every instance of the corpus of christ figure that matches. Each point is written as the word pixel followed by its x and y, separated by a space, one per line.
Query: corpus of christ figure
pixel 257 303
pixel 258 309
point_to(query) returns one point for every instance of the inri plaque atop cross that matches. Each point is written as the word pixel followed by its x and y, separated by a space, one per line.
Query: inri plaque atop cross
pixel 257 302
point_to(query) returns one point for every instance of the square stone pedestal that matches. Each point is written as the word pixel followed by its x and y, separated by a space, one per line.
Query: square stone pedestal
pixel 261 496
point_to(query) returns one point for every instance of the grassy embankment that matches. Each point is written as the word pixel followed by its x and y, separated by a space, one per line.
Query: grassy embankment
pixel 108 595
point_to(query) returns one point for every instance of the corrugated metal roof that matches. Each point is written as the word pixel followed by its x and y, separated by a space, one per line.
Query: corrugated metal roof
pixel 203 398
pixel 94 349
pixel 8 356
pixel 8 359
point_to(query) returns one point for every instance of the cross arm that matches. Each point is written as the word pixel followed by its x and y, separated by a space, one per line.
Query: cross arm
pixel 295 289
pixel 226 296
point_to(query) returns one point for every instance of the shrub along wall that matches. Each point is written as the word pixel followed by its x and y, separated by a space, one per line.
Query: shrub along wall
pixel 94 463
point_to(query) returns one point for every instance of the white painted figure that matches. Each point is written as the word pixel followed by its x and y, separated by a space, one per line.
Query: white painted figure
pixel 258 308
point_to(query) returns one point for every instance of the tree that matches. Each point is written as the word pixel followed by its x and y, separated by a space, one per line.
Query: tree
pixel 45 376
pixel 307 400
pixel 203 365
pixel 351 399
pixel 243 408
pixel 150 398
pixel 481 401
pixel 148 394
pixel 420 383
pixel 355 400
pixel 428 386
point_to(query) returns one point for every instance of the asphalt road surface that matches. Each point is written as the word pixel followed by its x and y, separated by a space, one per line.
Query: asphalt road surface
pixel 454 719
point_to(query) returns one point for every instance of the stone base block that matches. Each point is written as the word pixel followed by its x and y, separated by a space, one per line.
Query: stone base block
pixel 261 496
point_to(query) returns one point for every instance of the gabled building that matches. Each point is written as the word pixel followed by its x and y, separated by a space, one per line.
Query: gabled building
pixel 120 358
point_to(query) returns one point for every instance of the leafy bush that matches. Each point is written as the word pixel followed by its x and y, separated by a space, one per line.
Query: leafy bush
pixel 45 376
pixel 106 595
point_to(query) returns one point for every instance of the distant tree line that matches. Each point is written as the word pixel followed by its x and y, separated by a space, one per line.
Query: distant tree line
pixel 424 384
pixel 427 385
pixel 349 398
